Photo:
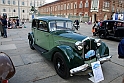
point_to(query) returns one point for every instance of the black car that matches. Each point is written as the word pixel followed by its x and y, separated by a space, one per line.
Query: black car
pixel 111 28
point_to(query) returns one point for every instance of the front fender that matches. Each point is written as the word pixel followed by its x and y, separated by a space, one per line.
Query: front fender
pixel 71 57
pixel 103 50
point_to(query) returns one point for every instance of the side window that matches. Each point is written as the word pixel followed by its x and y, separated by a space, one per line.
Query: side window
pixel 42 25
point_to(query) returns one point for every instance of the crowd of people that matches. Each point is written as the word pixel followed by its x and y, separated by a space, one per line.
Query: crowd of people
pixel 13 23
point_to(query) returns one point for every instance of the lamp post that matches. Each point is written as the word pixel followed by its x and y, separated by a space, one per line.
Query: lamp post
pixel 18 11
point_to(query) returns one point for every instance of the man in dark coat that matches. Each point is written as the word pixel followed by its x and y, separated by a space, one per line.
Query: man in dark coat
pixel 4 25
pixel 76 24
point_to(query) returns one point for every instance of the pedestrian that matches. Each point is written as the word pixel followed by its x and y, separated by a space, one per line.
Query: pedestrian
pixel 4 25
pixel 1 28
pixel 9 23
pixel 121 53
pixel 17 23
pixel 76 22
pixel 95 28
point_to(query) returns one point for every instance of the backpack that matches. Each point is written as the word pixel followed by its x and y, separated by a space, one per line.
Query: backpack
pixel 121 49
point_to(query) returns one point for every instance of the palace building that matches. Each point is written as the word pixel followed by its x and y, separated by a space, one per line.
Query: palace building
pixel 93 9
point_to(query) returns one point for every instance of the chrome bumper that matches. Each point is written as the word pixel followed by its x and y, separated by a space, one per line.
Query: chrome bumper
pixel 78 69
pixel 86 66
pixel 105 59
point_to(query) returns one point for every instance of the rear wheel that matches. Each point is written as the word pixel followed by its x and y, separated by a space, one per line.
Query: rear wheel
pixel 102 36
pixel 61 66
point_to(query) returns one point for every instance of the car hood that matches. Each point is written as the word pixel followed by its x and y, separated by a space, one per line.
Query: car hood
pixel 74 36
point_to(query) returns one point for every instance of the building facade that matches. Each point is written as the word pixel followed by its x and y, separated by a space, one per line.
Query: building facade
pixel 19 8
pixel 94 9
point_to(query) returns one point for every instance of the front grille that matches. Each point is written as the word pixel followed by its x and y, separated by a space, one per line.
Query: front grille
pixel 89 49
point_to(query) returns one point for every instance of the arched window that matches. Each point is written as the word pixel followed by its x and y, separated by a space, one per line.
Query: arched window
pixel 23 11
pixel 14 10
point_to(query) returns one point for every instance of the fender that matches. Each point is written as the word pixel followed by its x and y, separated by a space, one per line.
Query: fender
pixel 30 35
pixel 103 50
pixel 71 57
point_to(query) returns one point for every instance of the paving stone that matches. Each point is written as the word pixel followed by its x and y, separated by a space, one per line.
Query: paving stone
pixel 7 47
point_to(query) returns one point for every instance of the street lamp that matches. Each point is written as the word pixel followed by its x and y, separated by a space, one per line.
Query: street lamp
pixel 18 10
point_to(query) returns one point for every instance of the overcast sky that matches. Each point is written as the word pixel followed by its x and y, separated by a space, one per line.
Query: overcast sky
pixel 49 1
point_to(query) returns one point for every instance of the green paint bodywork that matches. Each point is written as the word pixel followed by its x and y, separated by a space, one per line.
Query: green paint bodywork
pixel 64 42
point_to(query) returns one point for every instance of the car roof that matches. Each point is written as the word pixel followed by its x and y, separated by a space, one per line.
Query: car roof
pixel 50 18
pixel 113 21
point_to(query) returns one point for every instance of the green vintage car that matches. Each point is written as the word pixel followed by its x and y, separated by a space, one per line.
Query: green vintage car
pixel 71 53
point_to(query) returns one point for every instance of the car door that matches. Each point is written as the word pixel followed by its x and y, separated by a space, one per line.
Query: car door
pixel 43 34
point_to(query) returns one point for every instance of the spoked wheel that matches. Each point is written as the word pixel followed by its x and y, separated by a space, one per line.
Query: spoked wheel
pixel 31 44
pixel 61 66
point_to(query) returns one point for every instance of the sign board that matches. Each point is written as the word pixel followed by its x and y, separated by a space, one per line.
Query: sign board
pixel 97 72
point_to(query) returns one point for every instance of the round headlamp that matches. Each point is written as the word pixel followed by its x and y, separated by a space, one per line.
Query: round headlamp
pixel 79 46
pixel 98 41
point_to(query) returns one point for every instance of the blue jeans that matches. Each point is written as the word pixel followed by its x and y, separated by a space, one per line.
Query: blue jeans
pixel 5 31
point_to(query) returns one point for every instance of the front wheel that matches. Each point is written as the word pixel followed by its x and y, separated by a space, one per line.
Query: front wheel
pixel 31 44
pixel 61 66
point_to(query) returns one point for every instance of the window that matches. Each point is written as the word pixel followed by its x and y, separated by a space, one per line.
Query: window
pixel 42 25
pixel 95 4
pixel 106 5
pixel 4 10
pixel 14 10
pixel 31 4
pixel 23 11
pixel 64 6
pixel 80 5
pixel 8 1
pixel 23 3
pixel 87 3
pixel 60 25
pixel 75 5
pixel 3 1
pixel 14 3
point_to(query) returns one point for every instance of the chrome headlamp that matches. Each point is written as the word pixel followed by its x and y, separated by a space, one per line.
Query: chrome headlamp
pixel 79 45
pixel 98 41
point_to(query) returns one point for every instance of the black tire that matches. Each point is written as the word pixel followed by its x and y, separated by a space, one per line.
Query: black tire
pixel 102 36
pixel 61 66
pixel 31 44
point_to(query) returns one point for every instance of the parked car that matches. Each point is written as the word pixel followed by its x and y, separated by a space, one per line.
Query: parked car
pixel 71 53
pixel 111 28
pixel 7 69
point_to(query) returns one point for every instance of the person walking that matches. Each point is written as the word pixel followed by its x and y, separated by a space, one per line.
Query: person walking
pixel 1 28
pixel 4 25
pixel 76 22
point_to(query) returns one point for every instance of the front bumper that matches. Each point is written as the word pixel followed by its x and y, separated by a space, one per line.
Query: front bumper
pixel 105 59
pixel 79 69
pixel 86 66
